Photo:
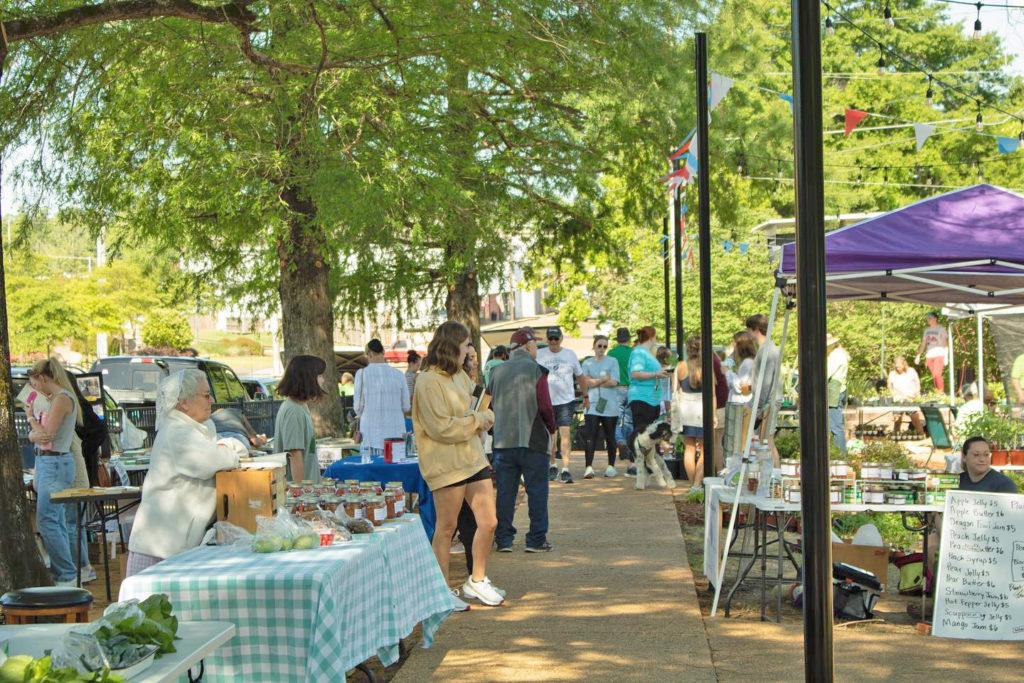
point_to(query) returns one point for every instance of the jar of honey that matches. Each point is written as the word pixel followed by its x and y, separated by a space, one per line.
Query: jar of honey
pixel 372 487
pixel 376 509
pixel 399 491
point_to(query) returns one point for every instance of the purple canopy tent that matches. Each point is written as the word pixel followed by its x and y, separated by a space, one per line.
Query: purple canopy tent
pixel 964 246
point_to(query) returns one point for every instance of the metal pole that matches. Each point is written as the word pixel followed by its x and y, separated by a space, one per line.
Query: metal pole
pixel 668 281
pixel 981 363
pixel 704 242
pixel 677 234
pixel 819 655
pixel 952 363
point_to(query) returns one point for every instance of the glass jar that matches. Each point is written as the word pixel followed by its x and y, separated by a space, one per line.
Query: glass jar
pixel 389 502
pixel 839 469
pixel 329 502
pixel 790 468
pixel 399 490
pixel 902 475
pixel 874 495
pixel 294 489
pixel 885 471
pixel 753 477
pixel 919 475
pixel 835 494
pixel 895 498
pixel 871 470
pixel 376 509
pixel 307 486
pixel 372 487
pixel 351 503
pixel 307 503
pixel 791 493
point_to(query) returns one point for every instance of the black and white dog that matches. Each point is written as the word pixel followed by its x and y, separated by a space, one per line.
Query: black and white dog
pixel 645 447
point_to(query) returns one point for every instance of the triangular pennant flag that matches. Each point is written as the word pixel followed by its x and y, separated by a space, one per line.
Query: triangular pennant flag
pixel 922 131
pixel 691 139
pixel 853 118
pixel 678 173
pixel 720 86
pixel 743 247
pixel 788 98
pixel 682 210
pixel 1008 145
pixel 727 245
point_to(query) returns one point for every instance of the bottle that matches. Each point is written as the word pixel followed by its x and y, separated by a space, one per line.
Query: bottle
pixel 365 453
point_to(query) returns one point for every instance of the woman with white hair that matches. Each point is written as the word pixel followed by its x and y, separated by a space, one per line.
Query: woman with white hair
pixel 179 495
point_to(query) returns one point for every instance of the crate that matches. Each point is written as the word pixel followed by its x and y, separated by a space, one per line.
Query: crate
pixel 245 493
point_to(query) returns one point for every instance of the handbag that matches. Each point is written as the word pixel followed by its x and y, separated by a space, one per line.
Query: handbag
pixel 687 410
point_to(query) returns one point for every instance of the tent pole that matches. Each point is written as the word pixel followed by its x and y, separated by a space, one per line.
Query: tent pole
pixel 981 362
pixel 754 400
pixel 704 241
pixel 952 363
pixel 819 654
pixel 677 236
pixel 665 256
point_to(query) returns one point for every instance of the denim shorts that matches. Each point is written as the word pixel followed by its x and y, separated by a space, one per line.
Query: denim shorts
pixel 564 413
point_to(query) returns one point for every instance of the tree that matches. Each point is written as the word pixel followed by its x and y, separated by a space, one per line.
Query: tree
pixel 42 313
pixel 166 327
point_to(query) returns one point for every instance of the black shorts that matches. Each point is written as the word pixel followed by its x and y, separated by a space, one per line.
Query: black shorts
pixel 485 473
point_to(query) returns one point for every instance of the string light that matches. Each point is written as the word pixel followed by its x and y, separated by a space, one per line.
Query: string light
pixel 881 61
pixel 978 124
pixel 889 22
pixel 830 29
pixel 929 96
pixel 977 25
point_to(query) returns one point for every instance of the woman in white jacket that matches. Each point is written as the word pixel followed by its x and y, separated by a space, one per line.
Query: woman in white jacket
pixel 179 495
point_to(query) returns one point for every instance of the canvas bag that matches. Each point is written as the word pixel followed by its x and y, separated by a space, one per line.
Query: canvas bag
pixel 687 409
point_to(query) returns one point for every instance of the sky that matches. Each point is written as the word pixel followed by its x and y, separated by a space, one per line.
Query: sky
pixel 1007 23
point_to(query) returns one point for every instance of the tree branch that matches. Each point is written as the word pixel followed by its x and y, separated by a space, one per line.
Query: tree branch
pixel 234 12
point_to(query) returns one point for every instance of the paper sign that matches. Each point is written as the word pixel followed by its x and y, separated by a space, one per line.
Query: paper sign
pixel 980 592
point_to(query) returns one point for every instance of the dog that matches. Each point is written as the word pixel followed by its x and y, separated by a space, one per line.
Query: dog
pixel 645 445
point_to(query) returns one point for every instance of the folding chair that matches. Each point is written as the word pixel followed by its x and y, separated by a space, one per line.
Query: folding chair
pixel 936 428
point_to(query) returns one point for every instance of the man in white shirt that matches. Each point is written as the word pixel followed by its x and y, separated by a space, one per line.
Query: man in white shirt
pixel 563 370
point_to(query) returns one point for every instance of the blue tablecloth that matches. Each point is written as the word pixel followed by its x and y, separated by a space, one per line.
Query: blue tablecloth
pixel 407 472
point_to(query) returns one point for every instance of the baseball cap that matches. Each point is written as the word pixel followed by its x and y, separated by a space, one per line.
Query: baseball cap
pixel 522 337
pixel 622 335
pixel 932 314
pixel 554 332
pixel 831 339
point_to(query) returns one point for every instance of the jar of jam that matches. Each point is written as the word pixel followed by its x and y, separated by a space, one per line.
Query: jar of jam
pixel 389 502
pixel 870 470
pixel 399 491
pixel 307 486
pixel 874 495
pixel 350 502
pixel 372 487
pixel 376 509
pixel 307 503
pixel 329 502
pixel 295 489
pixel 790 468
pixel 291 505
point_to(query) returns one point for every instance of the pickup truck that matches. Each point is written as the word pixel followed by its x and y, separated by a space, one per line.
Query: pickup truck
pixel 133 380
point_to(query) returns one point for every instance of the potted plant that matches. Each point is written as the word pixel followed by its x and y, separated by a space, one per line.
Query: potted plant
pixel 998 430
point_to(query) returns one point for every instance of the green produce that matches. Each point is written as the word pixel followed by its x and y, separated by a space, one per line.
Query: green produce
pixel 41 671
pixel 306 542
pixel 287 544
pixel 13 670
pixel 159 627
pixel 262 545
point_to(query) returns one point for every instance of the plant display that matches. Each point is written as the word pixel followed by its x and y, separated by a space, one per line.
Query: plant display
pixel 886 452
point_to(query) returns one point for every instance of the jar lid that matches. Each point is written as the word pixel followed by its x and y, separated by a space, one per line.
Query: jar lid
pixel 872 464
pixel 369 484
pixel 352 481
pixel 394 484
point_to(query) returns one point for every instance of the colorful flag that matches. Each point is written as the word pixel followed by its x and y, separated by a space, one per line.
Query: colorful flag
pixel 853 119
pixel 1007 145
pixel 727 245
pixel 720 86
pixel 922 131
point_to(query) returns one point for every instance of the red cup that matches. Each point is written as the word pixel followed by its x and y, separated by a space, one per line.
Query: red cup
pixel 326 538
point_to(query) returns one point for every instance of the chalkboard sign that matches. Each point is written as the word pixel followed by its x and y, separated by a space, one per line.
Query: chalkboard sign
pixel 980 592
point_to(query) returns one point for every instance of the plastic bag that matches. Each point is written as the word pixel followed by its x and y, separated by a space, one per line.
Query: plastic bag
pixel 325 521
pixel 355 526
pixel 81 651
pixel 227 533
pixel 284 532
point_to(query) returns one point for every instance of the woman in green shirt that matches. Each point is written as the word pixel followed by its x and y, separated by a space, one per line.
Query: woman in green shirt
pixel 293 428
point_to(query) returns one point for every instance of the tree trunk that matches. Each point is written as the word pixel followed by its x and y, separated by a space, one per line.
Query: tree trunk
pixel 307 316
pixel 20 564
pixel 463 304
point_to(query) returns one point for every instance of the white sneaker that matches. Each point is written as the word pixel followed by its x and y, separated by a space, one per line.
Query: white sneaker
pixel 68 583
pixel 458 548
pixel 457 604
pixel 87 573
pixel 483 591
pixel 588 473
pixel 610 471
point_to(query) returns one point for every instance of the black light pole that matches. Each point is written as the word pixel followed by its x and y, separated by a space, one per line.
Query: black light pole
pixel 668 280
pixel 677 236
pixel 704 242
pixel 819 659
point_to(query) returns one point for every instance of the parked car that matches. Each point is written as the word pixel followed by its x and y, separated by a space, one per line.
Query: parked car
pixel 133 380
pixel 399 351
pixel 261 388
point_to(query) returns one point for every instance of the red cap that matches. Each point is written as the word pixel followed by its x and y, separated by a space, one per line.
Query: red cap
pixel 522 337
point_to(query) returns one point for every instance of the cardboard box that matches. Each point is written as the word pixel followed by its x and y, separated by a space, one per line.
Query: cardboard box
pixel 872 558
pixel 245 493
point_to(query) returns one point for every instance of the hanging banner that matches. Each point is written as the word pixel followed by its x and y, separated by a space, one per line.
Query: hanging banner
pixel 743 247
pixel 720 86
pixel 727 245
pixel 788 98
pixel 922 131
pixel 853 118
pixel 1007 145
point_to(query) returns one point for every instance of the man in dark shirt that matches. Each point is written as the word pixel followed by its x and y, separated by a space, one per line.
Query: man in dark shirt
pixel 978 474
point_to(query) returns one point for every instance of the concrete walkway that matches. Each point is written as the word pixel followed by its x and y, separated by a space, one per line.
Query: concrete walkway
pixel 614 601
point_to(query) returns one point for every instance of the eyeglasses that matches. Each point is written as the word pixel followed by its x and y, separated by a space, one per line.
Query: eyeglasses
pixel 553 338
pixel 601 346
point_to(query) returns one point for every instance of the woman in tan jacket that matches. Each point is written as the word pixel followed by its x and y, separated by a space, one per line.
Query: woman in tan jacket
pixel 451 455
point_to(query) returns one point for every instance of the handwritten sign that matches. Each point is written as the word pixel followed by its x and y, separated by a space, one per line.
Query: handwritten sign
pixel 980 592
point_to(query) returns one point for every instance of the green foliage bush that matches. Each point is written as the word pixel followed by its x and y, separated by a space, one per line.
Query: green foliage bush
pixel 787 442
pixel 238 346
pixel 886 452
pixel 166 327
pixel 890 526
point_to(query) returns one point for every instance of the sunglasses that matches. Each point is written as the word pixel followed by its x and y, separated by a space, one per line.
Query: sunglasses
pixel 601 346
pixel 553 338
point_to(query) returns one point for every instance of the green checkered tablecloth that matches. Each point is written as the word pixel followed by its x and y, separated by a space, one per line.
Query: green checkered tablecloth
pixel 306 615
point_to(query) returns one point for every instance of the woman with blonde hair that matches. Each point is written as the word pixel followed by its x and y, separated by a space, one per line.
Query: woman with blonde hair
pixel 52 434
pixel 451 454
pixel 688 382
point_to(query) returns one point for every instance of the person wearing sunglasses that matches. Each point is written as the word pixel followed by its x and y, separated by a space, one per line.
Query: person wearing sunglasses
pixel 601 375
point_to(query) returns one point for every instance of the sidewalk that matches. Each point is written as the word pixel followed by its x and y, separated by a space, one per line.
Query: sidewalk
pixel 613 601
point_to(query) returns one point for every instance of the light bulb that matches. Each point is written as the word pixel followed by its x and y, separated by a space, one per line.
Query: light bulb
pixel 929 97
pixel 881 66
pixel 889 23
pixel 830 29
pixel 977 24
pixel 978 125
pixel 980 178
